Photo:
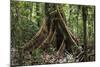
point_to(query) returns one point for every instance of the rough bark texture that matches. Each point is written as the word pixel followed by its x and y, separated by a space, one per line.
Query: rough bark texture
pixel 53 22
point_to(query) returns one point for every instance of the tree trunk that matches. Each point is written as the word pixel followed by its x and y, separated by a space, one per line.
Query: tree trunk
pixel 53 26
pixel 37 11
pixel 84 10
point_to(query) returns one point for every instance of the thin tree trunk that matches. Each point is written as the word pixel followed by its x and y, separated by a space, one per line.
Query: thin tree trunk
pixel 31 12
pixel 94 34
pixel 37 9
pixel 84 10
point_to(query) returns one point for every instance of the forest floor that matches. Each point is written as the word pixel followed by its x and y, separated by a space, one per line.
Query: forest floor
pixel 38 58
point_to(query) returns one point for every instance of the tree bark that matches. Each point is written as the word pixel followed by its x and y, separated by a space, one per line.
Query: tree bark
pixel 84 11
pixel 54 23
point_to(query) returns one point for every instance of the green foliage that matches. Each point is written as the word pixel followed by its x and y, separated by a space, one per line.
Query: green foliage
pixel 22 25
pixel 26 21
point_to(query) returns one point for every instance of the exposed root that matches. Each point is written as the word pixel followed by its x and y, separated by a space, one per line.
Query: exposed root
pixel 63 24
pixel 61 49
pixel 38 36
pixel 47 38
pixel 44 37
pixel 41 29
pixel 52 38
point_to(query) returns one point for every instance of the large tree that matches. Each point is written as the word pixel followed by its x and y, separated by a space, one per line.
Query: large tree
pixel 53 28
